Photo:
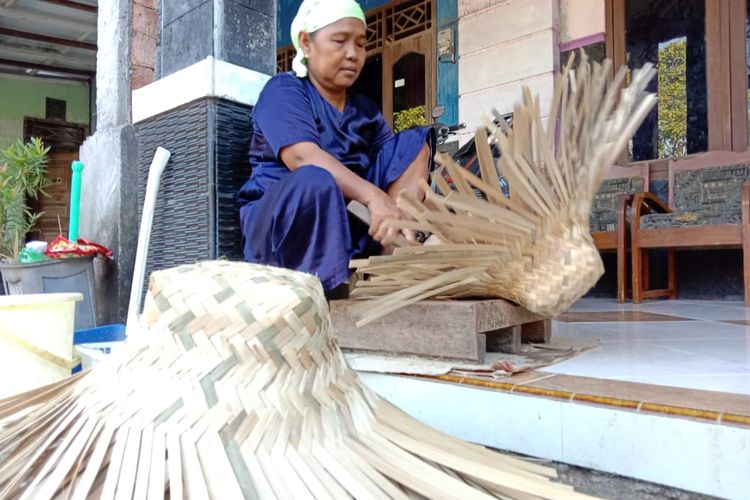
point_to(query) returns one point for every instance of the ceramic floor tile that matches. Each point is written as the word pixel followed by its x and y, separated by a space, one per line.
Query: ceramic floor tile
pixel 735 383
pixel 623 361
pixel 710 353
pixel 615 316
pixel 702 310
pixel 693 309
pixel 734 350
pixel 637 332
pixel 600 305
pixel 744 322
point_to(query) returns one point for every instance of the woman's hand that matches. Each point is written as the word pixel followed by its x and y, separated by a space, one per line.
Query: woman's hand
pixel 382 207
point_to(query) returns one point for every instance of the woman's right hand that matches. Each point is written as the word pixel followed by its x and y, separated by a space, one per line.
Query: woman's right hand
pixel 382 207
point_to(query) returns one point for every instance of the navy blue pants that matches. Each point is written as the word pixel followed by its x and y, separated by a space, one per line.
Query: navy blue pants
pixel 300 222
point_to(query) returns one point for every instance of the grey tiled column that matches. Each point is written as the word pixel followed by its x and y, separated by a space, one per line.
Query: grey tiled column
pixel 214 59
pixel 241 32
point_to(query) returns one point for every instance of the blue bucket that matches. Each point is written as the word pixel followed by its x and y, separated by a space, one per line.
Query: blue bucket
pixel 102 335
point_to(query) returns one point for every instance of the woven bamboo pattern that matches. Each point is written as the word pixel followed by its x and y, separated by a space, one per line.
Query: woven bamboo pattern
pixel 533 247
pixel 237 389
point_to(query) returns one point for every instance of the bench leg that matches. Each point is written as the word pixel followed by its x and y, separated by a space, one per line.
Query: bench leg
pixel 622 268
pixel 646 269
pixel 672 274
pixel 636 272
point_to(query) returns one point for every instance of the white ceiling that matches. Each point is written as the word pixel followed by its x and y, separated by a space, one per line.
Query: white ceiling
pixel 51 38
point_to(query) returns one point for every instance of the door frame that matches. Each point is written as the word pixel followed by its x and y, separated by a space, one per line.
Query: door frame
pixel 390 58
pixel 726 70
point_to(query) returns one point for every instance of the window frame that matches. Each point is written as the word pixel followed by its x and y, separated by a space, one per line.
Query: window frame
pixel 726 68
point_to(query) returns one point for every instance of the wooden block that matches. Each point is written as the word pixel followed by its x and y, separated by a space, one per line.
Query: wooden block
pixel 496 314
pixel 422 328
pixel 442 328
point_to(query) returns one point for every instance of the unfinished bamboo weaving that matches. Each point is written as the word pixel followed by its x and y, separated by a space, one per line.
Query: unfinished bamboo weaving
pixel 238 390
pixel 533 247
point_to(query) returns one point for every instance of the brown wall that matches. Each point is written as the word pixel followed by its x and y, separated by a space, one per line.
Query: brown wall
pixel 143 41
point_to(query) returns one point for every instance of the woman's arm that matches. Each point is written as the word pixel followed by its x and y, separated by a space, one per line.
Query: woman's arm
pixel 353 187
pixel 308 153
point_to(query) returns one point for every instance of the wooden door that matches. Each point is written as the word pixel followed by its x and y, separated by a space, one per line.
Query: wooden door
pixel 57 203
pixel 409 74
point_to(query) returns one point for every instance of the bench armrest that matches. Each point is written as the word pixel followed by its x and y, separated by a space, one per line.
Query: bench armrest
pixel 623 204
pixel 645 203
pixel 650 202
pixel 745 191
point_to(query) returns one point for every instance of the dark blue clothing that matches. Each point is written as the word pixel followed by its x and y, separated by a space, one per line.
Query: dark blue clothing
pixel 298 219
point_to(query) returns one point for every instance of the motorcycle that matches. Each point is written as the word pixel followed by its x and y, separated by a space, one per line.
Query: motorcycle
pixel 466 156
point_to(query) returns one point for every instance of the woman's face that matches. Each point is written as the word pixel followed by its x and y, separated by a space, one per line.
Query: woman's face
pixel 336 54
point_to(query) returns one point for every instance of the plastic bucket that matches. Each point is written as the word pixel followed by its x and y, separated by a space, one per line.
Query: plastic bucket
pixel 93 345
pixel 74 275
pixel 36 340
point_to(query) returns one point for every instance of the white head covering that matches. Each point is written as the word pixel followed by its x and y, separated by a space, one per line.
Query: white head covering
pixel 315 14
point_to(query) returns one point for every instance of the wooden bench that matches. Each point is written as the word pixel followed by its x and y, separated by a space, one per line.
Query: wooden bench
pixel 709 208
pixel 457 329
pixel 609 227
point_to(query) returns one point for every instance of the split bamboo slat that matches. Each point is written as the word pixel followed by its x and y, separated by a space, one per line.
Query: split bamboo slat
pixel 235 387
pixel 533 247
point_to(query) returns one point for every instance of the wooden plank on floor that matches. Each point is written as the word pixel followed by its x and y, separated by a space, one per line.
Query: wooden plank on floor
pixel 495 314
pixel 442 328
pixel 445 329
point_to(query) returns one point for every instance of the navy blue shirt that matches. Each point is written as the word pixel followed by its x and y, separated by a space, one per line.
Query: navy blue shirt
pixel 290 110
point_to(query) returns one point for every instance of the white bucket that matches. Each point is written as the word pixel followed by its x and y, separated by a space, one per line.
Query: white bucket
pixel 36 340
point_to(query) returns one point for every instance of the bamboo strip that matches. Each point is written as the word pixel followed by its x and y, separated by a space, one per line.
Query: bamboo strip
pixel 545 257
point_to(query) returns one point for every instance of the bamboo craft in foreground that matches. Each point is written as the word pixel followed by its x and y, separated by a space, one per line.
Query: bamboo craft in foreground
pixel 238 390
pixel 533 247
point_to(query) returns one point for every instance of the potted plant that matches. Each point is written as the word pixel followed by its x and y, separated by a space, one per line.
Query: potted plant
pixel 22 177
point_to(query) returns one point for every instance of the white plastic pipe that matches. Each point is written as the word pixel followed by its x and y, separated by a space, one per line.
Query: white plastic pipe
pixel 158 164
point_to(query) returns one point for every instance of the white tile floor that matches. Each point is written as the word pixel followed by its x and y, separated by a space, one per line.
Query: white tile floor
pixel 691 454
pixel 703 354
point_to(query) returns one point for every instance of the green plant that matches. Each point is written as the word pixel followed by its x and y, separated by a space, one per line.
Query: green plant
pixel 22 176
pixel 408 118
pixel 672 92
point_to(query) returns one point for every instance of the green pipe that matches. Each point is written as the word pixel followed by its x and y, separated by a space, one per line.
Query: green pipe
pixel 75 200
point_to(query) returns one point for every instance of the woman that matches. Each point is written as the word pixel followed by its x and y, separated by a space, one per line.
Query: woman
pixel 315 146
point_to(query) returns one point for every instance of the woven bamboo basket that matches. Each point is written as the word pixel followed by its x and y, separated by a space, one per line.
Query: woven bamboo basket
pixel 237 389
pixel 533 247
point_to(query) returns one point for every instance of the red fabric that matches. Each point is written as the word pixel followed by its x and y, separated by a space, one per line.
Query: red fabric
pixel 62 248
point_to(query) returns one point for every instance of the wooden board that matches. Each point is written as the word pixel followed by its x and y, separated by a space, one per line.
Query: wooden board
pixel 455 329
pixel 56 206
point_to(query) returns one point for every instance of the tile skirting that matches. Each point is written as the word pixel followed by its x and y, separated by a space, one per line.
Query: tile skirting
pixel 728 408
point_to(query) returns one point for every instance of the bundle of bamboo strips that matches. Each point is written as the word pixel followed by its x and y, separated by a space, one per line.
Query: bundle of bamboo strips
pixel 238 390
pixel 533 247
